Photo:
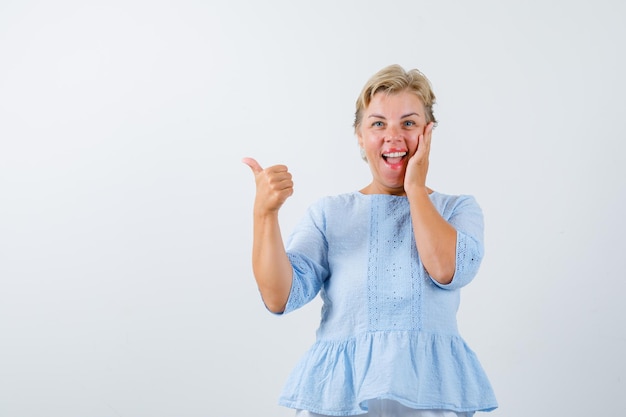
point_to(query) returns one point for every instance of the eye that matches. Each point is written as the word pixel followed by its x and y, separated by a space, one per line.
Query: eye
pixel 378 123
pixel 409 123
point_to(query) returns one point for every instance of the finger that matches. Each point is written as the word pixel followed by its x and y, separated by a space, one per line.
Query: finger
pixel 278 169
pixel 283 185
pixel 280 180
pixel 427 135
pixel 253 164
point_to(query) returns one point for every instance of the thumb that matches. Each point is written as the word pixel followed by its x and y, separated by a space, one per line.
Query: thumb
pixel 253 164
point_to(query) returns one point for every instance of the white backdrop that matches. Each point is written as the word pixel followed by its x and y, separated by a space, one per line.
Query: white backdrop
pixel 125 212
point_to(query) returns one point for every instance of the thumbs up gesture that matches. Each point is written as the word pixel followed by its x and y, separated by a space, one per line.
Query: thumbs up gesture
pixel 273 186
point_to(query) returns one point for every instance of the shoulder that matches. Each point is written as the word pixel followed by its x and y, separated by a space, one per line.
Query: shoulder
pixel 338 208
pixel 454 202
pixel 338 201
pixel 443 198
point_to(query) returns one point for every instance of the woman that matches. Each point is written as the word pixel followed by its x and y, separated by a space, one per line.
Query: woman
pixel 388 262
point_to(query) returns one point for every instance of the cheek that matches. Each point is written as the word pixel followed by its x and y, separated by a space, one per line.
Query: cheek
pixel 367 141
pixel 412 143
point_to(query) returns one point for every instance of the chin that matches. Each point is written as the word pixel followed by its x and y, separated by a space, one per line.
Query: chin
pixel 396 184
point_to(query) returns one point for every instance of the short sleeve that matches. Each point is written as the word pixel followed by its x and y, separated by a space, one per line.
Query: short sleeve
pixel 467 218
pixel 307 250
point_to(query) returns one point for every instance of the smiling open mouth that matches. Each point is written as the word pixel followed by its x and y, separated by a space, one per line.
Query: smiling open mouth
pixel 394 158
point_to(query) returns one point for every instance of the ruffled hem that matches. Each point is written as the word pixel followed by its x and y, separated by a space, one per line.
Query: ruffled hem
pixel 419 370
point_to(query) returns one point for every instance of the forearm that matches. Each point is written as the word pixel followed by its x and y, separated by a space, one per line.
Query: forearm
pixel 270 264
pixel 435 238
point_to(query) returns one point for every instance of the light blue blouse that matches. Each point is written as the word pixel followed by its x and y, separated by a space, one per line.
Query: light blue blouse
pixel 387 330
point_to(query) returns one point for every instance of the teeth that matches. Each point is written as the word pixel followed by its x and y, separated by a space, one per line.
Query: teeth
pixel 394 154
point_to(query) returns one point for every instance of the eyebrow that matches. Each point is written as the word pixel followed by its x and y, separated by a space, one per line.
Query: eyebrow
pixel 383 117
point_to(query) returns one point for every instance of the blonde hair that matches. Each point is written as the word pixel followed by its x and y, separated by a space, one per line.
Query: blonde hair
pixel 394 79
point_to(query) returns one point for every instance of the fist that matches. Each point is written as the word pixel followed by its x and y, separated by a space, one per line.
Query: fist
pixel 273 186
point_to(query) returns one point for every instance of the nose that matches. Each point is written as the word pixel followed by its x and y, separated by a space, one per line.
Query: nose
pixel 393 135
pixel 393 138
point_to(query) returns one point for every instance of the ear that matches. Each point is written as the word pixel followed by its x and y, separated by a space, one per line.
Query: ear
pixel 359 138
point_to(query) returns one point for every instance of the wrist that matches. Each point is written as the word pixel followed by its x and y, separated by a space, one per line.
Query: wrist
pixel 261 213
pixel 417 191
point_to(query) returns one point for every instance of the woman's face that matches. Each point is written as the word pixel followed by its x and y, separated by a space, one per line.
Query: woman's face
pixel 388 134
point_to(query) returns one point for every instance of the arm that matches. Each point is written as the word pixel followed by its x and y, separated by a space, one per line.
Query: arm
pixel 270 264
pixel 435 238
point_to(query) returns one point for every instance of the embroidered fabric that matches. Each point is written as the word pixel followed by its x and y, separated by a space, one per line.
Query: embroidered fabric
pixel 388 330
